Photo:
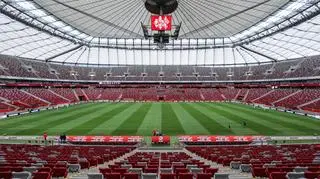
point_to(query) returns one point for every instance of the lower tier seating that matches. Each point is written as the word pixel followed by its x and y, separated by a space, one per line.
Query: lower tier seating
pixel 36 97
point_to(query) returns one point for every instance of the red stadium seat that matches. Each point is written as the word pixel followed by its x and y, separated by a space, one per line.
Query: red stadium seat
pixel 181 170
pixel 185 176
pixel 120 170
pixel 165 166
pixel 60 165
pixel 278 175
pixel 59 172
pixel 16 169
pixel 204 176
pixel 310 175
pixel 84 164
pixel 50 165
pixel 131 176
pixel 271 170
pixel 259 172
pixel 167 176
pixel 5 169
pixel 139 166
pixel 5 175
pixel 314 169
pixel 152 165
pixel 212 171
pixel 112 175
pixel 41 175
pixel 114 166
pixel 151 170
pixel 105 170
pixel 45 169
pixel 93 162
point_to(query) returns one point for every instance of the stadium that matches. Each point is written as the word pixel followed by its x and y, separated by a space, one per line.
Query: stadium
pixel 159 89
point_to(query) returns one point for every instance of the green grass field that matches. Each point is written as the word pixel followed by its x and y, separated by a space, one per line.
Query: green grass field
pixel 171 118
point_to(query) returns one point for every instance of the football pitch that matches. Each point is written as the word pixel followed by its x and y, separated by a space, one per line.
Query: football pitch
pixel 170 118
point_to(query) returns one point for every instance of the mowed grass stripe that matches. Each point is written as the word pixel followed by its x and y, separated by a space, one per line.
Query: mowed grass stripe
pixel 39 129
pixel 62 128
pixel 173 118
pixel 207 122
pixel 262 121
pixel 96 121
pixel 236 128
pixel 226 115
pixel 131 125
pixel 254 123
pixel 297 129
pixel 170 123
pixel 189 124
pixel 35 117
pixel 107 127
pixel 151 121
pixel 293 117
pixel 39 121
pixel 297 119
pixel 255 126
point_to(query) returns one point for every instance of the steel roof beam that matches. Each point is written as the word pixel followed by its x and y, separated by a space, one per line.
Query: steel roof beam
pixel 225 18
pixel 281 29
pixel 24 21
pixel 258 53
pixel 57 20
pixel 62 53
pixel 245 51
pixel 99 19
pixel 265 18
pixel 36 18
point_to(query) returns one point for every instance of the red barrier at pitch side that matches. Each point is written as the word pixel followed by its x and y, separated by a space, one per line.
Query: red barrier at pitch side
pixel 106 139
pixel 213 139
pixel 160 139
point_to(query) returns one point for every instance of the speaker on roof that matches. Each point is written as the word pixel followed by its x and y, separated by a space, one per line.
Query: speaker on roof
pixel 161 38
pixel 161 6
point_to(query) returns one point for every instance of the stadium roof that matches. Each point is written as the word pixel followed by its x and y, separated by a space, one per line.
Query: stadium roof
pixel 215 32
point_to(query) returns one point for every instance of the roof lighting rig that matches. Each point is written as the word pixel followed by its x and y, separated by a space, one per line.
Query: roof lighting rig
pixel 161 29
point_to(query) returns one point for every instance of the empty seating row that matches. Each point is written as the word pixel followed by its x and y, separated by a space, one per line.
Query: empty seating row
pixel 12 66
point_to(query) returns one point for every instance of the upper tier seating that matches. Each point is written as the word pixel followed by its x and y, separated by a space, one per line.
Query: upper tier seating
pixel 11 66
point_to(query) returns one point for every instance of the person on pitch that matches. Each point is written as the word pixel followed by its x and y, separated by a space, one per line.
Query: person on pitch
pixel 244 123
pixel 45 136
pixel 157 132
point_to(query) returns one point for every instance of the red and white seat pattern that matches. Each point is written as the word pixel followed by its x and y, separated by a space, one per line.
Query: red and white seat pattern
pixel 165 165
pixel 21 99
pixel 47 95
pixel 35 97
pixel 267 161
pixel 53 161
